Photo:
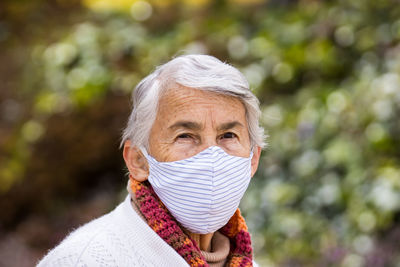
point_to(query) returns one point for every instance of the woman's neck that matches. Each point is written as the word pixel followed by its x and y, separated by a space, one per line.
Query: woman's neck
pixel 202 240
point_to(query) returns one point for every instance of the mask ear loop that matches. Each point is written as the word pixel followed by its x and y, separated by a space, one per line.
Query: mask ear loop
pixel 251 152
pixel 144 151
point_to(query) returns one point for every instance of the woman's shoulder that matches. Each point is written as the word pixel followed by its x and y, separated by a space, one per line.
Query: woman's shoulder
pixel 99 241
pixel 119 238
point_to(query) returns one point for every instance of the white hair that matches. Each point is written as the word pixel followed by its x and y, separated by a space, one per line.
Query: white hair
pixel 194 71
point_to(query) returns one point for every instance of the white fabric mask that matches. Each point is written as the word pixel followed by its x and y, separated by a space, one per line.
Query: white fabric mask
pixel 204 191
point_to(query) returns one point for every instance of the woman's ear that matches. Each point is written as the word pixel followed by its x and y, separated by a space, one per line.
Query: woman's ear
pixel 136 162
pixel 255 160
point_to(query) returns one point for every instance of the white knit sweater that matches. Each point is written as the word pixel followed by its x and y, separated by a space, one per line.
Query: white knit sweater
pixel 119 238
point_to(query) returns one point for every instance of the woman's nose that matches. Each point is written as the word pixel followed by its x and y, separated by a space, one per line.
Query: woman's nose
pixel 208 140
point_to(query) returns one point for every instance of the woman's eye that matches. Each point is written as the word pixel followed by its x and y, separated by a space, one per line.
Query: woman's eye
pixel 228 135
pixel 184 136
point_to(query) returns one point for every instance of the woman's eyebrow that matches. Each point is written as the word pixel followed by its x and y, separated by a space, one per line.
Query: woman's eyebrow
pixel 190 125
pixel 229 125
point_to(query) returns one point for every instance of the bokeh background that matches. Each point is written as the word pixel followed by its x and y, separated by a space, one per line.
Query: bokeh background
pixel 327 74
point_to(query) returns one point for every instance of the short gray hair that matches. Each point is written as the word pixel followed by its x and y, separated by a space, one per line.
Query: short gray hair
pixel 194 71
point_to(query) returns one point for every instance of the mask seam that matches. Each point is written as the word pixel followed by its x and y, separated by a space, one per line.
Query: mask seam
pixel 212 192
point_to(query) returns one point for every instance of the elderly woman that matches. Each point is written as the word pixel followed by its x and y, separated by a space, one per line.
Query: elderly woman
pixel 191 146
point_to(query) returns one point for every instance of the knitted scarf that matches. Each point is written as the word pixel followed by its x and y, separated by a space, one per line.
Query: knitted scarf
pixel 162 222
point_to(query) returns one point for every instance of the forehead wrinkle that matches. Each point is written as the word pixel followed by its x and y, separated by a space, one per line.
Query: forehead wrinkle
pixel 183 100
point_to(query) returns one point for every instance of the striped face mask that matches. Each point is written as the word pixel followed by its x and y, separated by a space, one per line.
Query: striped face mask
pixel 201 192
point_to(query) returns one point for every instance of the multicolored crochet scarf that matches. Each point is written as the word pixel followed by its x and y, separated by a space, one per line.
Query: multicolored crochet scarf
pixel 162 222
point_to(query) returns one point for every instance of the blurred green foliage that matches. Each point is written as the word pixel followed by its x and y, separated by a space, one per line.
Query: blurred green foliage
pixel 327 73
